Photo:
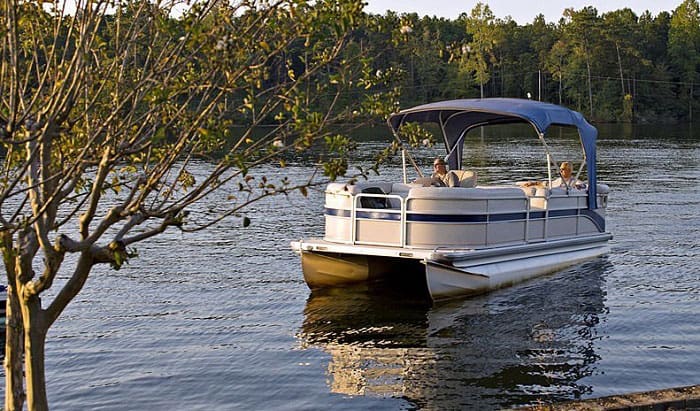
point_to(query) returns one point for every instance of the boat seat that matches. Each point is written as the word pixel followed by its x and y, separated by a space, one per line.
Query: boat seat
pixel 402 189
pixel 374 202
pixel 466 178
pixel 462 178
pixel 539 198
pixel 423 182
pixel 529 191
pixel 358 187
pixel 482 192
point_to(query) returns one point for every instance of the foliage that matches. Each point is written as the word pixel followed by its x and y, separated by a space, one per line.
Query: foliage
pixel 684 48
pixel 613 67
pixel 477 55
pixel 105 113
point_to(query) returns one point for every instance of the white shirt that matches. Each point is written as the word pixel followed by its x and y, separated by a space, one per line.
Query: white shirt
pixel 572 182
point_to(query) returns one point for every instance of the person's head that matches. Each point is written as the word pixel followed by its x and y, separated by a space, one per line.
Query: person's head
pixel 565 169
pixel 439 166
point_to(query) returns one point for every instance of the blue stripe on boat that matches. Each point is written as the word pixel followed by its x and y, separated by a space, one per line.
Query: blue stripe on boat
pixel 563 213
pixel 473 218
pixel 378 215
pixel 507 217
pixel 446 218
pixel 335 212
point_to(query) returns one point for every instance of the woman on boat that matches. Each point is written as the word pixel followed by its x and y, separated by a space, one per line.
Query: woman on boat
pixel 566 179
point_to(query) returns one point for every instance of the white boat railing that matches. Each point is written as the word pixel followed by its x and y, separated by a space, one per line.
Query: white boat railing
pixel 386 222
pixel 401 211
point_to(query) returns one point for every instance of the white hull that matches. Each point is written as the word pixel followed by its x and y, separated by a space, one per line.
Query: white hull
pixel 482 275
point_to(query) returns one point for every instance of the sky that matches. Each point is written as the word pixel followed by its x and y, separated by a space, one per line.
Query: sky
pixel 522 11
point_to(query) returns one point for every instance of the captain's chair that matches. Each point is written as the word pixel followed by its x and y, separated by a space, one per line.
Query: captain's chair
pixel 465 178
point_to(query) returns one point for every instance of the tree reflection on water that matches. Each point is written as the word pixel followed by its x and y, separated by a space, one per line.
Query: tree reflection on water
pixel 526 344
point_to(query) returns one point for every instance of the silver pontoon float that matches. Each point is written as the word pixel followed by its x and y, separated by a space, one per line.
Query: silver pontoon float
pixel 467 239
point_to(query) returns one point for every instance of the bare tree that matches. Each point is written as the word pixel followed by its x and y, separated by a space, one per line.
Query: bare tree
pixel 104 108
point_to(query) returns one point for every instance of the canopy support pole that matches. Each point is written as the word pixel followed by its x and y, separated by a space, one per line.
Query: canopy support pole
pixel 403 162
pixel 405 154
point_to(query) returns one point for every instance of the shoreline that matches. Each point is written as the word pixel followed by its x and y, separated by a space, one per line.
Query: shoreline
pixel 680 398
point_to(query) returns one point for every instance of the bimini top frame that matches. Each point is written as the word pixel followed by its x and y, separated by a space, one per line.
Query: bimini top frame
pixel 456 117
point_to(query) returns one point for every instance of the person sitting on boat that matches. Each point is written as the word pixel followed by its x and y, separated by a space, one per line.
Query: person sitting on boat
pixel 566 179
pixel 440 177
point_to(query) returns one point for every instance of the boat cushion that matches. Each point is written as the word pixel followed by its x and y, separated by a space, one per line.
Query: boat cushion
pixel 457 193
pixel 358 187
pixel 403 188
pixel 466 178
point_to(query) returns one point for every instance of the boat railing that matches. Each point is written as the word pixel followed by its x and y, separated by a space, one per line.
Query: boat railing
pixel 389 211
pixel 480 217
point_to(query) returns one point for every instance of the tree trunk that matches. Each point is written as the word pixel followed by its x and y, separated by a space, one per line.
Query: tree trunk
pixel 503 79
pixel 588 69
pixel 590 88
pixel 14 330
pixel 561 63
pixel 14 353
pixel 619 63
pixel 690 103
pixel 560 88
pixel 34 342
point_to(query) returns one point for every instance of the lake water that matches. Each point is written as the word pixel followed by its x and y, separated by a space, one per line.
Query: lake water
pixel 223 320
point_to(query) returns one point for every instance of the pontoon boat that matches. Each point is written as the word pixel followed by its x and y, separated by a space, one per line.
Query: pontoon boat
pixel 470 238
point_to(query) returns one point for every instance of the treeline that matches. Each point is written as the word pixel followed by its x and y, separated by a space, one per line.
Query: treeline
pixel 614 67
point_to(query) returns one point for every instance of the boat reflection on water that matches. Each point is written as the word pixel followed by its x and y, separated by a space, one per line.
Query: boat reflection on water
pixel 527 344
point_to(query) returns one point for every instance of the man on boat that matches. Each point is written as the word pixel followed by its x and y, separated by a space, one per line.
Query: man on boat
pixel 566 179
pixel 440 177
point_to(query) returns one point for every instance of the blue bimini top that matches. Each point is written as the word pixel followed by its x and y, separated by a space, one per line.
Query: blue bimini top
pixel 457 117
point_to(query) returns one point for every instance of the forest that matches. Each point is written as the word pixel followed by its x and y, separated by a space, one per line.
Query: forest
pixel 614 67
